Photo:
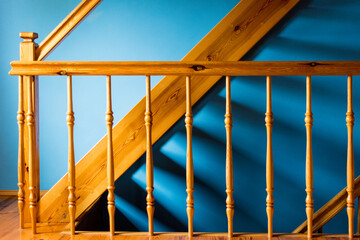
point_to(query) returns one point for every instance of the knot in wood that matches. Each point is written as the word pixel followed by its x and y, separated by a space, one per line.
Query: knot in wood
pixel 109 118
pixel 62 72
pixel 198 67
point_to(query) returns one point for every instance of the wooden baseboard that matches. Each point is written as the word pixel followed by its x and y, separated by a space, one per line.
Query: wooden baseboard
pixel 14 193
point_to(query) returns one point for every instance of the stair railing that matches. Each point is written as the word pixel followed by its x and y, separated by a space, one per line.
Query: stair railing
pixel 28 69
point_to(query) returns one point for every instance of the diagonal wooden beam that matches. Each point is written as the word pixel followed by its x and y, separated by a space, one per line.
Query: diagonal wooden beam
pixel 65 28
pixel 230 40
pixel 330 209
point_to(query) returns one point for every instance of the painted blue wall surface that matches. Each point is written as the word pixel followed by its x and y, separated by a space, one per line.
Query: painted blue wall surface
pixel 167 30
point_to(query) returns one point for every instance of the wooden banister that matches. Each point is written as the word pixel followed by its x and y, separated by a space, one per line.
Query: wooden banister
pixel 21 157
pixel 189 160
pixel 30 119
pixel 350 158
pixel 150 200
pixel 110 158
pixel 27 53
pixel 70 119
pixel 182 68
pixel 309 179
pixel 230 40
pixel 65 28
pixel 269 159
pixel 229 172
pixel 330 209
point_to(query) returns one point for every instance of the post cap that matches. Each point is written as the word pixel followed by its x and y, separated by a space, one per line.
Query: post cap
pixel 28 36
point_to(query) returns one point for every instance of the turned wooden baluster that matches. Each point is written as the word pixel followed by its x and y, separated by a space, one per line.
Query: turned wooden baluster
pixel 30 119
pixel 21 160
pixel 189 160
pixel 70 119
pixel 229 160
pixel 269 159
pixel 350 159
pixel 150 201
pixel 309 159
pixel 110 158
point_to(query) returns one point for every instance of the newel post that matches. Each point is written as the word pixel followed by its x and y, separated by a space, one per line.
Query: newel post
pixel 30 83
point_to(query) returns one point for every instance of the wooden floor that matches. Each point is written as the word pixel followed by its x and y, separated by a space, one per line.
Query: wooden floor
pixel 9 230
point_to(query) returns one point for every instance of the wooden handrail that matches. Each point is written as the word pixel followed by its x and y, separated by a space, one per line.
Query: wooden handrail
pixel 65 28
pixel 245 68
pixel 230 40
pixel 330 209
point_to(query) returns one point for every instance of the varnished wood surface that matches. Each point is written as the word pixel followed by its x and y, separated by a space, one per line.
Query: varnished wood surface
pixel 27 53
pixel 243 68
pixel 229 171
pixel 350 119
pixel 65 27
pixel 246 24
pixel 70 119
pixel 309 159
pixel 150 200
pixel 33 188
pixel 189 159
pixel 330 209
pixel 269 159
pixel 21 157
pixel 109 118
pixel 9 230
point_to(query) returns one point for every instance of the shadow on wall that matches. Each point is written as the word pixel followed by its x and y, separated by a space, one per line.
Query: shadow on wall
pixel 249 141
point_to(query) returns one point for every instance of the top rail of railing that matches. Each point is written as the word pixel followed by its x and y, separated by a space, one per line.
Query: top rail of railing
pixel 238 68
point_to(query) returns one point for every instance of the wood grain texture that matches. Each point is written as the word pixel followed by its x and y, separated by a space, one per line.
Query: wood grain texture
pixel 229 172
pixel 27 53
pixel 269 159
pixel 70 119
pixel 350 201
pixel 65 28
pixel 309 160
pixel 150 200
pixel 21 159
pixel 330 209
pixel 9 230
pixel 182 68
pixel 234 36
pixel 110 158
pixel 189 160
pixel 30 121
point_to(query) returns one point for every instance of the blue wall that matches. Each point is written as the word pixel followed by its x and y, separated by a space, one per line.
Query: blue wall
pixel 167 30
